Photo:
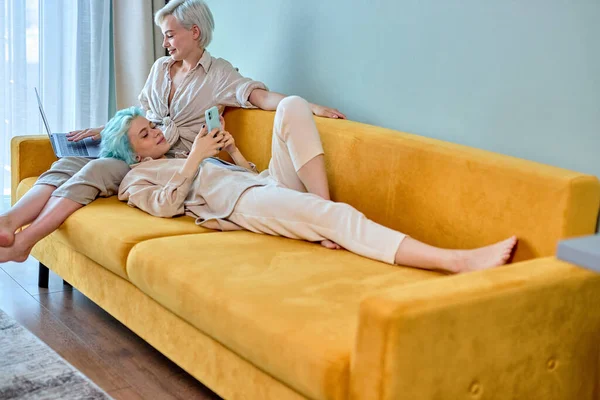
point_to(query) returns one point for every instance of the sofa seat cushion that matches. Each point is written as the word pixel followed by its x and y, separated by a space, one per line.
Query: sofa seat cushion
pixel 106 229
pixel 287 306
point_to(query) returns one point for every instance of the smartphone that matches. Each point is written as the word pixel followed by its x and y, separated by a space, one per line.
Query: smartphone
pixel 212 119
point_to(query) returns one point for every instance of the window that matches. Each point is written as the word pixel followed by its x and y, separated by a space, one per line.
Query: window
pixel 63 50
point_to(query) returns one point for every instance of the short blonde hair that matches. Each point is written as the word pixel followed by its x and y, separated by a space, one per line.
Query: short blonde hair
pixel 189 13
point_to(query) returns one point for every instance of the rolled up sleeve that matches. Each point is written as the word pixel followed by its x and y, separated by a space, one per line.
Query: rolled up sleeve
pixel 234 89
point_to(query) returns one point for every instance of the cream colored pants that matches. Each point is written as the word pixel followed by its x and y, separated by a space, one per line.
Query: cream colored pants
pixel 283 208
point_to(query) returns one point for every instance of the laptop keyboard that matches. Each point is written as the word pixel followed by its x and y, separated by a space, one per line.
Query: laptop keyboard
pixel 71 148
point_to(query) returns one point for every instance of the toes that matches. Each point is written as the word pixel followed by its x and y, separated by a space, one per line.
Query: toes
pixel 327 244
pixel 330 245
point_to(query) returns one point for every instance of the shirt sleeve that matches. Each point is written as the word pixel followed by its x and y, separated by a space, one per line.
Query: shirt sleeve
pixel 159 200
pixel 234 89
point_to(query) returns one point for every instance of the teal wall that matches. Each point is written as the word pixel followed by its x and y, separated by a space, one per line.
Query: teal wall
pixel 512 76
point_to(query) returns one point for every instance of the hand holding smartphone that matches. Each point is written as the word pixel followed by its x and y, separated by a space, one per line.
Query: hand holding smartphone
pixel 212 119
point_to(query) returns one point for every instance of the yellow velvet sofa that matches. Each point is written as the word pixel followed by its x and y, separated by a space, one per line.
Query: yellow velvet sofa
pixel 260 317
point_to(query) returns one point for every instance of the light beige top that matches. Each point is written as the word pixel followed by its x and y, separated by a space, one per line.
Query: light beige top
pixel 157 187
pixel 213 81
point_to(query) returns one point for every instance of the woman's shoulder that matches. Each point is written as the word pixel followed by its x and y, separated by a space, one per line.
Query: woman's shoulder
pixel 160 62
pixel 222 65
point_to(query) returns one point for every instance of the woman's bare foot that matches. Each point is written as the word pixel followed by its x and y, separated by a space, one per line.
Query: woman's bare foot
pixel 7 235
pixel 483 257
pixel 17 252
pixel 328 244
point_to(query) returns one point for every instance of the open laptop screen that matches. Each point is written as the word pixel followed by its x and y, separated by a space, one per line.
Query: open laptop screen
pixel 43 113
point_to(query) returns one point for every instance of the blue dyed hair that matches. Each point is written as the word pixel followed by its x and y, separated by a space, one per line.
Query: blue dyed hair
pixel 115 141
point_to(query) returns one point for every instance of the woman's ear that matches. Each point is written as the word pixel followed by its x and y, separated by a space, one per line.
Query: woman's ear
pixel 196 32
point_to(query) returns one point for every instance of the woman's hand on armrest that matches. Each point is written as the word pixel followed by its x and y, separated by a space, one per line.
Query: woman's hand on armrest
pixel 267 100
pixel 76 136
pixel 327 112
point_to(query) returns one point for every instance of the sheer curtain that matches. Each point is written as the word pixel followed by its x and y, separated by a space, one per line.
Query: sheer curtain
pixel 18 73
pixel 137 44
pixel 61 47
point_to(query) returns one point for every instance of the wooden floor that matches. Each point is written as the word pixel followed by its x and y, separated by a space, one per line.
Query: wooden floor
pixel 95 343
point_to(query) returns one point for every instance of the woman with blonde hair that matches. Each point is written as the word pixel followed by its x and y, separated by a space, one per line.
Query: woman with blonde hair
pixel 179 88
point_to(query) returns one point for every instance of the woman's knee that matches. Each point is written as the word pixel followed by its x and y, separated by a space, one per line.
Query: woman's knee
pixel 108 167
pixel 61 171
pixel 106 162
pixel 104 175
pixel 69 164
pixel 293 104
pixel 100 177
pixel 292 111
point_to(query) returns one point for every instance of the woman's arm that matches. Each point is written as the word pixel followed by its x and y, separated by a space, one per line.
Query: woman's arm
pixel 265 99
pixel 239 159
pixel 160 200
pixel 157 198
pixel 269 101
pixel 230 147
pixel 235 153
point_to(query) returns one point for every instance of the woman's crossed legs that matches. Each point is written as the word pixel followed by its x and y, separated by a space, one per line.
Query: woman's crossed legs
pixel 71 183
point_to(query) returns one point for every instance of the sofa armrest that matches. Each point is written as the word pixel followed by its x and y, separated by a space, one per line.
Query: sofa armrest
pixel 29 156
pixel 528 330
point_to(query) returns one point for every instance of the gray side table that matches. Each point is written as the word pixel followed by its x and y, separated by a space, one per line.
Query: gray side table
pixel 583 251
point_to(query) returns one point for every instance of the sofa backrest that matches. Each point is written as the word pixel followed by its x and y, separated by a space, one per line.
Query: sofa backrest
pixel 445 194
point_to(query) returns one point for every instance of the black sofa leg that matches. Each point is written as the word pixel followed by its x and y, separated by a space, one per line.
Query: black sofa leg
pixel 43 276
pixel 67 283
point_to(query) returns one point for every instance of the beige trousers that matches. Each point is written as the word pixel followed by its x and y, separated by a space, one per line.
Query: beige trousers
pixel 82 180
pixel 283 208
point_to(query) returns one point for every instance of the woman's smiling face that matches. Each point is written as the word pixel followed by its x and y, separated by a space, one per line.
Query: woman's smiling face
pixel 146 139
pixel 180 42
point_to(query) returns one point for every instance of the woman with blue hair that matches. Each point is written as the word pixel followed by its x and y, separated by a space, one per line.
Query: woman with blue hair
pixel 180 87
pixel 228 196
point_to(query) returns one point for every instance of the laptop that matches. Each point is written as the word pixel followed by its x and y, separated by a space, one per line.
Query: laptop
pixel 87 147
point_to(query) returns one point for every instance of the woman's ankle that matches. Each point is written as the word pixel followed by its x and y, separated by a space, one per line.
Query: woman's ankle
pixel 7 231
pixel 18 251
pixel 453 262
pixel 7 221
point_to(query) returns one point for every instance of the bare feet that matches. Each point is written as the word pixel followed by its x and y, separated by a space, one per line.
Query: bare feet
pixel 7 235
pixel 483 257
pixel 328 244
pixel 17 252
